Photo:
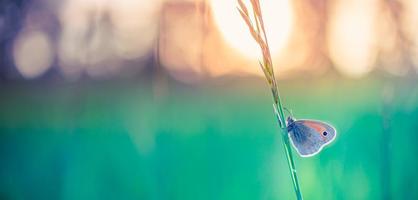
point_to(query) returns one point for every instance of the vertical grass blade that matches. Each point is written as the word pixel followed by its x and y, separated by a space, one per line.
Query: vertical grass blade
pixel 286 143
pixel 257 30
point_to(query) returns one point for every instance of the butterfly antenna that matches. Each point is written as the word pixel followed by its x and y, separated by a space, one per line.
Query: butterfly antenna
pixel 289 111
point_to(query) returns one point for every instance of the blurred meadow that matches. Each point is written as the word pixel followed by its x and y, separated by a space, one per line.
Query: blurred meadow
pixel 164 99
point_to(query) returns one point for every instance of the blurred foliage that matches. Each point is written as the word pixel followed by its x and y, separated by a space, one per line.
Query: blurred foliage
pixel 132 140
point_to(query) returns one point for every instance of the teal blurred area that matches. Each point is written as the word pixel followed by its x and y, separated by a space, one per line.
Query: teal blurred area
pixel 164 99
pixel 137 139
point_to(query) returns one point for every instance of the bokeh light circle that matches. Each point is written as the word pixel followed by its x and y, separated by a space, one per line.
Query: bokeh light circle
pixel 278 20
pixel 352 37
pixel 32 54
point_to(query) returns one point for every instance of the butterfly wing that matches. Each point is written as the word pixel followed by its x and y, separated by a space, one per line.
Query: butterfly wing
pixel 310 136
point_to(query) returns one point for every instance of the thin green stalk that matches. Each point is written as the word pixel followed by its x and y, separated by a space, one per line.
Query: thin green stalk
pixel 259 35
pixel 288 150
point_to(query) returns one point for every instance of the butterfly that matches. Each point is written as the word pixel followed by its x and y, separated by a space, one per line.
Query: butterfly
pixel 309 137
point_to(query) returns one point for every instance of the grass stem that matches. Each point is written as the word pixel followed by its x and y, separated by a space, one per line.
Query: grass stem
pixel 286 143
pixel 257 30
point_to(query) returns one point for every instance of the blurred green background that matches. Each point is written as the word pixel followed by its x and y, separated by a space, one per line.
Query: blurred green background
pixel 126 140
pixel 164 99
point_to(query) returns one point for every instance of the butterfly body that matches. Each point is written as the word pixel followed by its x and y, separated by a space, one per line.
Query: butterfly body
pixel 309 136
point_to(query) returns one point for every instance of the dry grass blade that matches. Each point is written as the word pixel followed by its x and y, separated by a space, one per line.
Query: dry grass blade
pixel 259 34
pixel 243 7
pixel 256 7
pixel 257 31
pixel 255 35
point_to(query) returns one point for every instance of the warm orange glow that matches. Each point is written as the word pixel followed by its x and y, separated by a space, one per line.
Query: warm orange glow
pixel 411 28
pixel 98 35
pixel 277 18
pixel 352 37
pixel 181 42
